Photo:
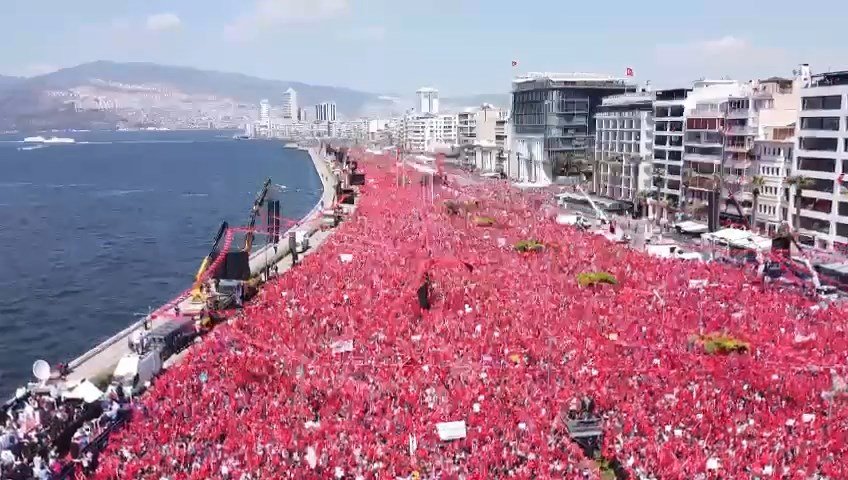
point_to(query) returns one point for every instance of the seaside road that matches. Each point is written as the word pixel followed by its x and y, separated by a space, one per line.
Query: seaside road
pixel 98 363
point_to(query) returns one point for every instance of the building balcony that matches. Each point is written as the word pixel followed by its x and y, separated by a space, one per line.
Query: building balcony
pixel 703 143
pixel 738 148
pixel 697 157
pixel 739 113
pixel 740 131
pixel 741 164
pixel 705 113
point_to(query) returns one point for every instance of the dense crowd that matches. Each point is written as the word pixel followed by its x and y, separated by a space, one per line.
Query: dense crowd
pixel 336 371
pixel 43 433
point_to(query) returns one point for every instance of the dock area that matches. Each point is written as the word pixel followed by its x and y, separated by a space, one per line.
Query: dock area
pixel 97 364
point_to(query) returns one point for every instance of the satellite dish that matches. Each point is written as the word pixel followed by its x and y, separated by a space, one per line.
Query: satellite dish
pixel 41 370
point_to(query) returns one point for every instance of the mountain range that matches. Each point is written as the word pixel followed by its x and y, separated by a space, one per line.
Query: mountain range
pixel 102 94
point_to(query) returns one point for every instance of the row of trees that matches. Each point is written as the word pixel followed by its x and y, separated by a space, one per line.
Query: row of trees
pixel 576 165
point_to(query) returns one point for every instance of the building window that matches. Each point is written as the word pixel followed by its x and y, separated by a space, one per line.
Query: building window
pixel 820 185
pixel 819 144
pixel 815 224
pixel 829 102
pixel 842 229
pixel 816 164
pixel 820 123
pixel 843 209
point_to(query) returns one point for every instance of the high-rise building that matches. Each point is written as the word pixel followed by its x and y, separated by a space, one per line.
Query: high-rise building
pixel 553 125
pixel 325 112
pixel 290 104
pixel 821 145
pixel 302 115
pixel 265 113
pixel 623 145
pixel 428 100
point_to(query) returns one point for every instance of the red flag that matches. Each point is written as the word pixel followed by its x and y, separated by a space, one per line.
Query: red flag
pixel 515 63
pixel 629 72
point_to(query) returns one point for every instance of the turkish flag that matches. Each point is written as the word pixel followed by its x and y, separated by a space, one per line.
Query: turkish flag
pixel 629 72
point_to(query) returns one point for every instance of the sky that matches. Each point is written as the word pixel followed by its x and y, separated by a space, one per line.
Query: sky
pixel 460 47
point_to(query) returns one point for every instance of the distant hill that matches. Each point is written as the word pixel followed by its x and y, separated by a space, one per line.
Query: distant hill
pixel 191 80
pixel 6 82
pixel 37 96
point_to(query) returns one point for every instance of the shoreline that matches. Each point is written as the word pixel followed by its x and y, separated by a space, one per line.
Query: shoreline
pixel 104 356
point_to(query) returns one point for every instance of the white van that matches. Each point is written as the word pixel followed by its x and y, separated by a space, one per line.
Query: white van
pixel 134 371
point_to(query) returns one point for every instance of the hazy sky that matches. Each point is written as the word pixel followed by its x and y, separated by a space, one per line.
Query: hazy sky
pixel 458 46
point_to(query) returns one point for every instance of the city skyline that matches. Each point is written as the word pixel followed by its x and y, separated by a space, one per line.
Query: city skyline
pixel 394 48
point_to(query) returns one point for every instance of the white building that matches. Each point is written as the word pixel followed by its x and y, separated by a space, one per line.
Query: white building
pixel 265 113
pixel 428 100
pixel 325 112
pixel 821 155
pixel 290 110
pixel 477 125
pixel 430 133
pixel 302 115
pixel 624 145
pixel 719 141
pixel 774 152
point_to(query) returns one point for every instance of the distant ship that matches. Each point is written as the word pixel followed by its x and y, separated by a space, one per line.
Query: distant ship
pixel 291 145
pixel 60 140
pixel 51 140
pixel 30 147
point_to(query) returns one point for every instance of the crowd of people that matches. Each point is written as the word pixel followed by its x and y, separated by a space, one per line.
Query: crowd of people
pixel 412 314
pixel 44 434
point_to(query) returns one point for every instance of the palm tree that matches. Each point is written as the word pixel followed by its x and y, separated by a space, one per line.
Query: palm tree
pixel 800 182
pixel 642 200
pixel 757 182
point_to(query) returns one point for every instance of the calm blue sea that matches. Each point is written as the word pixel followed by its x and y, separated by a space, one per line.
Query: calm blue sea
pixel 93 233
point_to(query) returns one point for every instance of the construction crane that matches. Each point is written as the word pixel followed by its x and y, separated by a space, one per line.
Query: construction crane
pixel 197 294
pixel 254 212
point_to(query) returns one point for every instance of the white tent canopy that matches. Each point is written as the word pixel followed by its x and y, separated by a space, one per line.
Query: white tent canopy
pixel 85 391
pixel 734 237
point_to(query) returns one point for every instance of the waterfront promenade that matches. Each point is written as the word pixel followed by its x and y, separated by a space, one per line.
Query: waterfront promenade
pixel 99 362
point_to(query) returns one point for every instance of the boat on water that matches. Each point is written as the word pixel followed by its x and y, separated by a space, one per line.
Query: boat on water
pixel 291 145
pixel 54 140
pixel 51 140
pixel 27 148
pixel 241 137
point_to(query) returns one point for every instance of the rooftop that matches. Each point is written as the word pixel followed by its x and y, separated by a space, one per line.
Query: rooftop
pixel 829 79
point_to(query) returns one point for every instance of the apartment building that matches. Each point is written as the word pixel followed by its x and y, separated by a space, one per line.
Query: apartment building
pixel 623 145
pixel 719 141
pixel 773 151
pixel 290 110
pixel 476 126
pixel 553 128
pixel 821 155
pixel 428 100
pixel 430 133
pixel 325 112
